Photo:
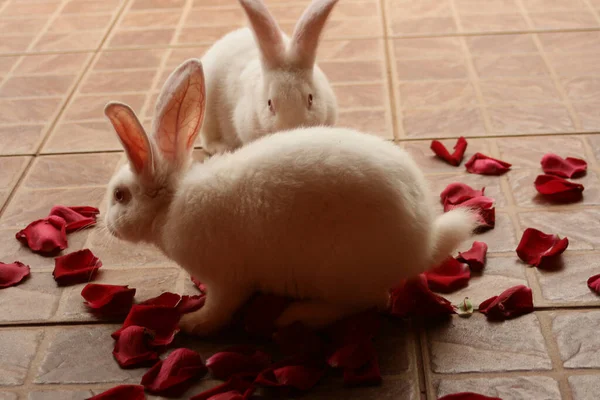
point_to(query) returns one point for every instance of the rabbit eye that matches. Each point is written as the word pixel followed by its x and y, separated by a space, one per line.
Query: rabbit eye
pixel 271 108
pixel 119 195
pixel 310 100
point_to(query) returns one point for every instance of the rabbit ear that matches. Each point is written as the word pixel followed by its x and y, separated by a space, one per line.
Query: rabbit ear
pixel 132 136
pixel 180 112
pixel 305 39
pixel 266 31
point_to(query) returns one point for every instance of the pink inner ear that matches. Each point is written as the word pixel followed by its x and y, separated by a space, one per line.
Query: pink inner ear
pixel 132 136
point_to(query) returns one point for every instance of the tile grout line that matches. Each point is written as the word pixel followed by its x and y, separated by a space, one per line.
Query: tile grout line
pixel 47 25
pixel 392 108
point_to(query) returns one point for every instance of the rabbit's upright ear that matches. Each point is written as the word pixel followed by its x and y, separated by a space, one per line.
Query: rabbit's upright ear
pixel 179 113
pixel 132 136
pixel 266 31
pixel 305 39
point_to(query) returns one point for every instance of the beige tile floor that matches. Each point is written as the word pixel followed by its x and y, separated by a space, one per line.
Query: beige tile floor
pixel 518 78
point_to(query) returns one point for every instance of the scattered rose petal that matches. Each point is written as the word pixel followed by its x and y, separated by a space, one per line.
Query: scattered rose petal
pixel 456 193
pixel 475 256
pixel 448 277
pixel 45 236
pixel 537 248
pixel 12 274
pixel 414 298
pixel 513 302
pixel 108 299
pixel 484 165
pixel 165 299
pixel 160 320
pixel 367 375
pixel 465 308
pixel 235 360
pixel 175 374
pixel 299 377
pixel 261 312
pixel 122 392
pixel 565 167
pixel 557 189
pixel 76 218
pixel 188 304
pixel 132 348
pixel 239 384
pixel 594 283
pixel 201 286
pixel 485 208
pixel 456 157
pixel 353 355
pixel 78 267
pixel 467 396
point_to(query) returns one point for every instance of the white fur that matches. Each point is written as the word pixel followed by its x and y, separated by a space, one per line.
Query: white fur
pixel 242 76
pixel 329 215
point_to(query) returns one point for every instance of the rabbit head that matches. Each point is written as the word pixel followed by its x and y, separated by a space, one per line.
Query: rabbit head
pixel 294 91
pixel 143 188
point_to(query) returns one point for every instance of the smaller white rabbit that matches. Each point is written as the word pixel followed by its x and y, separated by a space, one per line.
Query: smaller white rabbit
pixel 330 216
pixel 259 81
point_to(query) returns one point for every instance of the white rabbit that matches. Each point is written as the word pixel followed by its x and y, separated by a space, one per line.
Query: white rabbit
pixel 330 216
pixel 259 81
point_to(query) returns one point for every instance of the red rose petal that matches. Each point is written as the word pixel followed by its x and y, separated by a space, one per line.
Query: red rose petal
pixel 475 256
pixel 175 374
pixel 12 274
pixel 235 383
pixel 261 312
pixel 565 167
pixel 594 283
pixel 368 374
pixel 162 321
pixel 536 247
pixel 165 299
pixel 299 377
pixel 353 355
pixel 456 157
pixel 132 348
pixel 467 396
pixel 484 165
pixel 448 277
pixel 513 302
pixel 80 266
pixel 122 392
pixel 414 298
pixel 485 208
pixel 108 299
pixel 456 193
pixel 76 217
pixel 236 360
pixel 557 189
pixel 201 286
pixel 45 236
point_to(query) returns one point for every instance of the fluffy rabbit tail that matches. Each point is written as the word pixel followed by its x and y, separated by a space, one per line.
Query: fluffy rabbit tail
pixel 450 230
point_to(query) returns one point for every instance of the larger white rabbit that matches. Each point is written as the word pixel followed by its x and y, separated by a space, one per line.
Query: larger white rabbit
pixel 330 216
pixel 259 81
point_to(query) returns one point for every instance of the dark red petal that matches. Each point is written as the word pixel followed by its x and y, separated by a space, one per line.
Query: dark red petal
pixel 188 304
pixel 414 298
pixel 456 157
pixel 231 395
pixel 201 286
pixel 594 283
pixel 484 165
pixel 353 355
pixel 513 302
pixel 235 383
pixel 557 189
pixel 475 256
pixel 261 312
pixel 175 374
pixel 78 267
pixel 467 396
pixel 368 374
pixel 299 377
pixel 485 208
pixel 565 167
pixel 165 299
pixel 108 299
pixel 132 348
pixel 456 193
pixel 122 392
pixel 536 248
pixel 237 360
pixel 450 276
pixel 76 217
pixel 160 320
pixel 12 274
pixel 45 236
